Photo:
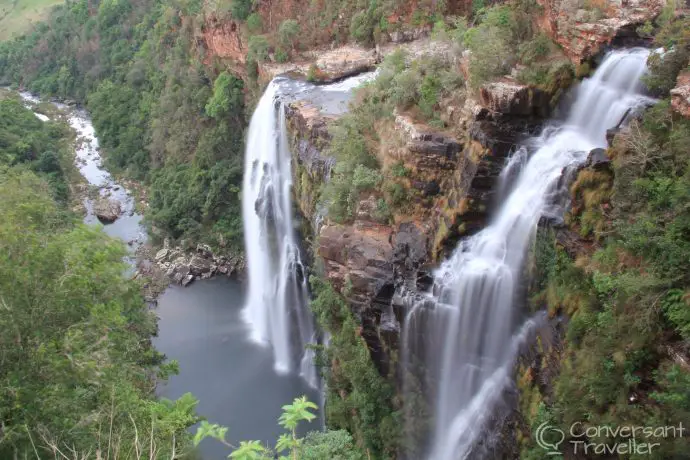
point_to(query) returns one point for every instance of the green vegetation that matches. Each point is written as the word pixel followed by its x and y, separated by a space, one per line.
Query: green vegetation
pixel 627 298
pixel 336 445
pixel 160 114
pixel 417 89
pixel 42 146
pixel 359 399
pixel 77 370
pixel 17 16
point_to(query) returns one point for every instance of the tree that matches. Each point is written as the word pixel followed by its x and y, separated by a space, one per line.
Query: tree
pixel 335 445
pixel 258 48
pixel 288 32
pixel 227 94
pixel 77 364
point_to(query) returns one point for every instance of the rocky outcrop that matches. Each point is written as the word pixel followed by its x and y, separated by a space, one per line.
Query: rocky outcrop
pixel 107 210
pixel 509 97
pixel 357 258
pixel 450 179
pixel 326 66
pixel 680 95
pixel 583 32
pixel 182 267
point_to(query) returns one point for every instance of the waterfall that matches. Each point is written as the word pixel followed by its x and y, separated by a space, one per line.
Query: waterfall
pixel 277 307
pixel 461 339
pixel 277 302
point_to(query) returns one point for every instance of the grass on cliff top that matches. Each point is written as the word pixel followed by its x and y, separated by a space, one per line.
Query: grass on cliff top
pixel 16 16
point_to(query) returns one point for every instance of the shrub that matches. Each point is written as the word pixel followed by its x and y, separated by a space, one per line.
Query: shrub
pixel 491 56
pixel 363 24
pixel 281 55
pixel 257 48
pixel 664 70
pixel 254 23
pixel 288 32
pixel 240 9
pixel 428 95
pixel 535 49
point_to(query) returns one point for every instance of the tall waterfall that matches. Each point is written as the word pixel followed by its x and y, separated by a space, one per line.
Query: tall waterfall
pixel 461 339
pixel 277 305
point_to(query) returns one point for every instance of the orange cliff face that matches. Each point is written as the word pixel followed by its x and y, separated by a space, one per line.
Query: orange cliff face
pixel 584 32
pixel 223 39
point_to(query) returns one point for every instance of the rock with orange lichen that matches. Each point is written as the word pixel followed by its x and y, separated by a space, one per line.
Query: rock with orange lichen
pixel 680 95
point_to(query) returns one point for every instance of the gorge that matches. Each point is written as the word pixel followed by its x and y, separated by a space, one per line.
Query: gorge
pixel 454 227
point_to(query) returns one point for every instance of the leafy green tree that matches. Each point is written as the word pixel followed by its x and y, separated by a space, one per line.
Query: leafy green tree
pixel 227 94
pixel 77 368
pixel 313 447
pixel 258 48
pixel 288 32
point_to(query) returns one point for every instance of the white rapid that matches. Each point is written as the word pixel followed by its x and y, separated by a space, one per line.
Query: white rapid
pixel 461 339
pixel 277 299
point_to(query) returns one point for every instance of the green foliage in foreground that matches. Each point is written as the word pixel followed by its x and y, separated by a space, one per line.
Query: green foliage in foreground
pixel 359 399
pixel 332 445
pixel 77 370
pixel 160 114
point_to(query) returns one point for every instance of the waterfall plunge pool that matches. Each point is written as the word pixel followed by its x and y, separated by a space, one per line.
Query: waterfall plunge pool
pixel 233 378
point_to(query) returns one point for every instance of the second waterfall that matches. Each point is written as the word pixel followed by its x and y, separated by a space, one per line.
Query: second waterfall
pixel 277 305
pixel 461 339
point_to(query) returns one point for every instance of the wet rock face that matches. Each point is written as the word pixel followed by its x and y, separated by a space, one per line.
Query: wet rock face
pixel 680 95
pixel 584 32
pixel 309 138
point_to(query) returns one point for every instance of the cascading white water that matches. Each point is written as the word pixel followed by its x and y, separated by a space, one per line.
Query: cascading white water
pixel 461 339
pixel 277 299
pixel 277 302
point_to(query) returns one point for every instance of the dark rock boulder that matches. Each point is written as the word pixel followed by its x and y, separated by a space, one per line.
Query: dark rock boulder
pixel 107 210
pixel 598 160
pixel 199 266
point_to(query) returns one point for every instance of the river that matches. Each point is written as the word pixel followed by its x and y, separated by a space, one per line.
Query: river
pixel 199 326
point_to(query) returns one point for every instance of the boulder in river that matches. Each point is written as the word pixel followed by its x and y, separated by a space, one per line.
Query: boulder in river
pixel 107 210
